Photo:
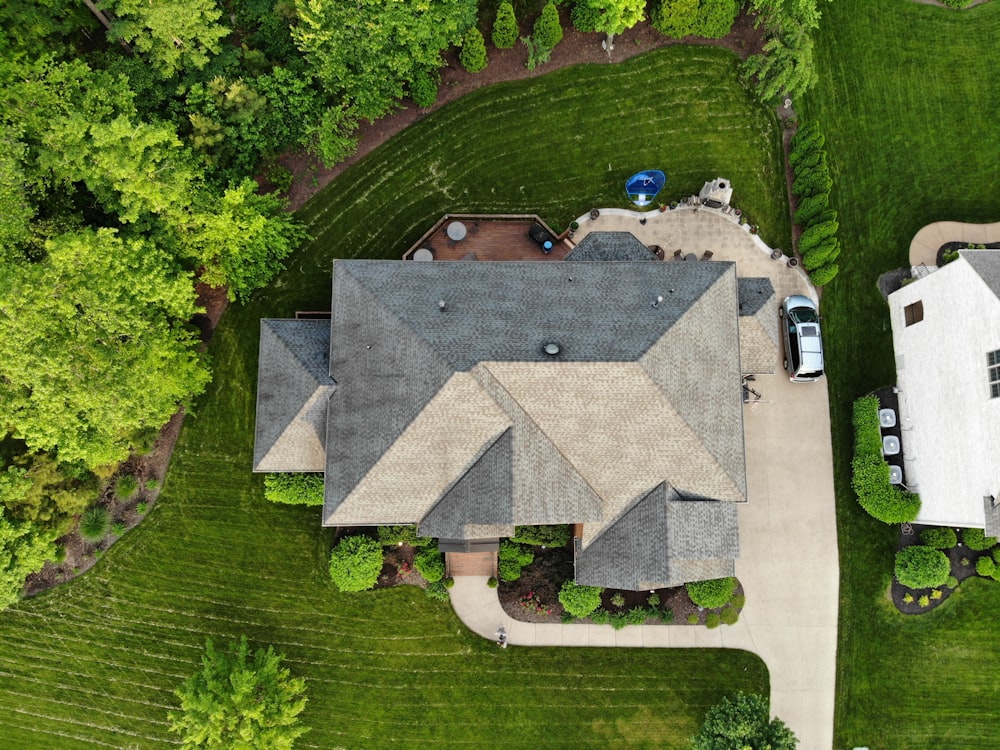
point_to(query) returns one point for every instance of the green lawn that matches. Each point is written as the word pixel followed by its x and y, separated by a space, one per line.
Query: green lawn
pixel 907 100
pixel 94 663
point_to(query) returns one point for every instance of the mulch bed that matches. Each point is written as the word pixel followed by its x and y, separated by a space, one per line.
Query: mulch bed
pixel 534 597
pixel 909 534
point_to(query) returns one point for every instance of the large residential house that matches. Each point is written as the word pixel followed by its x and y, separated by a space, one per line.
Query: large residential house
pixel 469 397
pixel 946 336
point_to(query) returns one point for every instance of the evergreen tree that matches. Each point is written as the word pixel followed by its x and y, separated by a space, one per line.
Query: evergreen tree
pixel 743 722
pixel 473 54
pixel 505 28
pixel 548 30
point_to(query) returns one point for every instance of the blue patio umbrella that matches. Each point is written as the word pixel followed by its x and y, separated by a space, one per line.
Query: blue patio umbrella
pixel 643 187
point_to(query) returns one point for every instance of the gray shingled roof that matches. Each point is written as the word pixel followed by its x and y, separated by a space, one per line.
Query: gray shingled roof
pixel 987 264
pixel 662 540
pixel 293 385
pixel 606 246
pixel 759 332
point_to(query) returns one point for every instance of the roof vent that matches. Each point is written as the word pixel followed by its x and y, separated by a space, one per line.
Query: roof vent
pixel 659 299
pixel 552 349
pixel 442 305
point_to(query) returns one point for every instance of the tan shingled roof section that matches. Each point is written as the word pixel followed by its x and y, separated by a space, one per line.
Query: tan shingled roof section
pixel 300 447
pixel 437 448
pixel 612 423
pixel 758 352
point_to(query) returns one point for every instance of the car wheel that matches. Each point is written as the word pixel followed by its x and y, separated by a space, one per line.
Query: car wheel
pixel 784 365
pixel 781 312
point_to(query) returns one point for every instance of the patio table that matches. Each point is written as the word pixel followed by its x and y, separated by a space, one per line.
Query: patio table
pixel 456 231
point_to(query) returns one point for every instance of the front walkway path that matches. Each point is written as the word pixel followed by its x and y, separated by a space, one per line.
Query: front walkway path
pixel 926 243
pixel 788 538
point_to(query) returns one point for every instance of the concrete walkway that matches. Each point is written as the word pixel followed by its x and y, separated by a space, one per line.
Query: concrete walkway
pixel 926 242
pixel 788 536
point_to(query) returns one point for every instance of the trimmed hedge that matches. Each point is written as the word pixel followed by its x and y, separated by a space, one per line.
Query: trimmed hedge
pixel 294 489
pixel 355 563
pixel 824 274
pixel 886 502
pixel 505 30
pixel 548 31
pixel 429 562
pixel 919 567
pixel 578 600
pixel 986 567
pixel 713 593
pixel 511 558
pixel 939 537
pixel 976 539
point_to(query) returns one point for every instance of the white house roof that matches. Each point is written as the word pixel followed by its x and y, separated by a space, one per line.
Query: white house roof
pixel 950 424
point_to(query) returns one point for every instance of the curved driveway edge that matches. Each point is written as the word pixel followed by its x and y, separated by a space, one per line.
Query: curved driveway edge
pixel 788 562
pixel 927 241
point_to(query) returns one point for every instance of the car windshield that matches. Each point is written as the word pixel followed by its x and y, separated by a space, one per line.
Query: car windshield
pixel 804 315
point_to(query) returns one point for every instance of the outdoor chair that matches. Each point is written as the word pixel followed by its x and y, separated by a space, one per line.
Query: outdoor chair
pixel 707 255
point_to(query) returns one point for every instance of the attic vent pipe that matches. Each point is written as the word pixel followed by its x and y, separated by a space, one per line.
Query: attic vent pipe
pixel 552 349
pixel 442 305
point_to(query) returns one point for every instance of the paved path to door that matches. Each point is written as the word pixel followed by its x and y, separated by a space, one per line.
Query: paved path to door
pixel 788 560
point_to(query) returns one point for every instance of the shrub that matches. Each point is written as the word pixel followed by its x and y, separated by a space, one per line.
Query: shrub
pixel 821 255
pixel 438 591
pixel 548 31
pixel 152 484
pixel 142 509
pixel 601 617
pixel 355 563
pixel 743 721
pixel 976 539
pixel 473 55
pixel 294 489
pixel 667 615
pixel 939 537
pixel 449 582
pixel 653 600
pixel 824 275
pixel 537 55
pixel 692 618
pixel 730 615
pixel 738 600
pixel 95 524
pixel 882 500
pixel 713 593
pixel 816 235
pixel 676 18
pixel 505 27
pixel 908 598
pixel 118 528
pixel 429 562
pixel 638 615
pixel 867 431
pixel 924 600
pixel 618 600
pixel 492 582
pixel 996 555
pixel 812 181
pixel 713 620
pixel 619 620
pixel 511 558
pixel 393 536
pixel 715 18
pixel 542 536
pixel 424 88
pixel 578 600
pixel 919 567
pixel 952 582
pixel 125 487
pixel 964 562
pixel 811 207
pixel 936 594
pixel 986 567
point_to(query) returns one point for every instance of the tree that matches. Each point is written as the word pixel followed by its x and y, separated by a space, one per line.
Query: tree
pixel 743 723
pixel 241 238
pixel 676 18
pixel 93 345
pixel 368 71
pixel 355 563
pixel 294 489
pixel 608 17
pixel 240 701
pixel 825 252
pixel 579 601
pixel 176 34
pixel 715 18
pixel 786 67
pixel 473 55
pixel 713 593
pixel 810 207
pixel 24 548
pixel 548 30
pixel 919 567
pixel 816 235
pixel 505 28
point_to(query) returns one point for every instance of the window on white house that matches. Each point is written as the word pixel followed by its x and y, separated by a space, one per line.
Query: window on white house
pixel 914 313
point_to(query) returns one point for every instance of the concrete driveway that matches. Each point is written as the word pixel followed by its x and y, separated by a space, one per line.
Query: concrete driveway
pixel 788 561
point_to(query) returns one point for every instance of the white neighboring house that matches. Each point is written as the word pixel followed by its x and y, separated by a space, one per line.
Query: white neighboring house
pixel 946 335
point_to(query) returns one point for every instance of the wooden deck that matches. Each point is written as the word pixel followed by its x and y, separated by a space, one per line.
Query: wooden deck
pixel 488 238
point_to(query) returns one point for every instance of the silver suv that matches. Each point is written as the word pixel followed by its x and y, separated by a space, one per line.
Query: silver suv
pixel 803 342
